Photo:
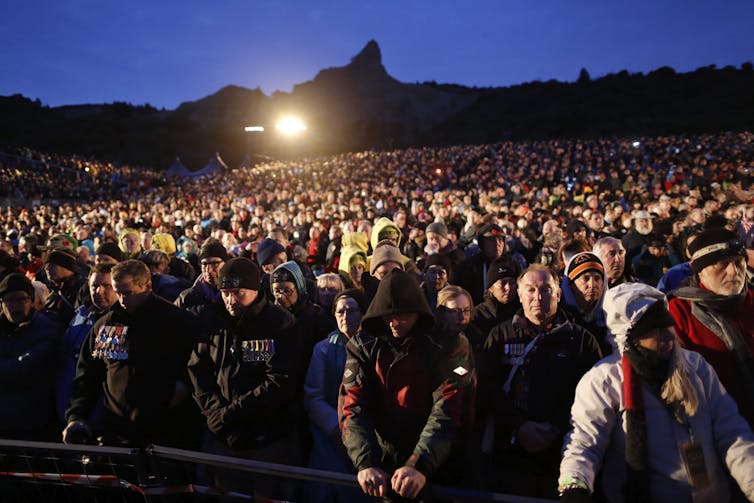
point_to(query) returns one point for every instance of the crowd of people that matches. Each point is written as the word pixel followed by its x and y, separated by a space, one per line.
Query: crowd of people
pixel 565 317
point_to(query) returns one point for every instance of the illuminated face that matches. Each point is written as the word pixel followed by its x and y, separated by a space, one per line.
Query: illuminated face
pixel 285 293
pixel 539 295
pixel 588 288
pixel 436 240
pixel 382 270
pixel 236 300
pixel 131 243
pixel 211 270
pixel 101 290
pixel 275 261
pixel 613 256
pixel 348 316
pixel 726 276
pixel 401 324
pixel 461 308
pixel 357 270
pixel 504 290
pixel 643 225
pixel 436 276
pixel 131 295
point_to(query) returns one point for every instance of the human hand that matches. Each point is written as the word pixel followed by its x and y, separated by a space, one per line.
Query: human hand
pixel 536 436
pixel 373 481
pixel 77 432
pixel 408 482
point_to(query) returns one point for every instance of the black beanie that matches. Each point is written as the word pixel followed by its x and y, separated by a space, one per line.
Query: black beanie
pixel 16 282
pixel 239 273
pixel 502 267
pixel 355 294
pixel 712 245
pixel 213 248
pixel 111 250
pixel 62 257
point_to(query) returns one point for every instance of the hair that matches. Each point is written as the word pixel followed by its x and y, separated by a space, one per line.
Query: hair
pixel 536 267
pixel 451 292
pixel 330 279
pixel 678 387
pixel 136 269
pixel 101 269
pixel 568 249
pixel 605 241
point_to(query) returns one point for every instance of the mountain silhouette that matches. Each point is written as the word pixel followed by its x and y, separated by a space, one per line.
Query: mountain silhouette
pixel 361 106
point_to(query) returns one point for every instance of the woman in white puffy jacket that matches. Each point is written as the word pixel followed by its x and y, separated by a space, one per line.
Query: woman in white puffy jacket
pixel 654 417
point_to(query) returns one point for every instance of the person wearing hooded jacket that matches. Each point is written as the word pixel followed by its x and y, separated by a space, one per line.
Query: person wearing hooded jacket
pixel 405 392
pixel 654 418
pixel 528 371
pixel 584 285
pixel 291 292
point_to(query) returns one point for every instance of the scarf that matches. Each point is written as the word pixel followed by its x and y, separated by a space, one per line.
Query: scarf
pixel 667 379
pixel 710 309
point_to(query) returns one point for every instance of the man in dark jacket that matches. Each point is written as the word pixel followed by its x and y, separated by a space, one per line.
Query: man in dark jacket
pixel 532 364
pixel 405 394
pixel 65 277
pixel 137 355
pixel 472 273
pixel 245 372
pixel 205 291
pixel 28 343
pixel 500 300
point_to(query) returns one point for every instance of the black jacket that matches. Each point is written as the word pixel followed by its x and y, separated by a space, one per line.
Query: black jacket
pixel 545 383
pixel 245 373
pixel 136 360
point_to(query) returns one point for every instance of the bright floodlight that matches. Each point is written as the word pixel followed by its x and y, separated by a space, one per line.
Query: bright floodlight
pixel 290 125
pixel 636 144
pixel 254 129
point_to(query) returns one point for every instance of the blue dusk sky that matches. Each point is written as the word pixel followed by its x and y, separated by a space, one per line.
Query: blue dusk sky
pixel 164 52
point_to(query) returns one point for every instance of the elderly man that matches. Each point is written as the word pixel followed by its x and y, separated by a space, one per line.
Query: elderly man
pixel 635 239
pixel 135 356
pixel 713 314
pixel 611 252
pixel 531 365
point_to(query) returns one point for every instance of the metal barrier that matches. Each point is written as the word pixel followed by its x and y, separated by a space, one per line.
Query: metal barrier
pixel 141 475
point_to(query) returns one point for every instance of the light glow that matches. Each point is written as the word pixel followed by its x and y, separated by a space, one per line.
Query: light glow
pixel 254 129
pixel 290 125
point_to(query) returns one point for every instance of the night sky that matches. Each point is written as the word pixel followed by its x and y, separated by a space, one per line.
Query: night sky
pixel 164 52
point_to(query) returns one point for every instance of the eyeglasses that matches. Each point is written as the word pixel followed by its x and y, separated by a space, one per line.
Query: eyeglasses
pixel 284 293
pixel 437 272
pixel 214 263
pixel 458 310
pixel 343 312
